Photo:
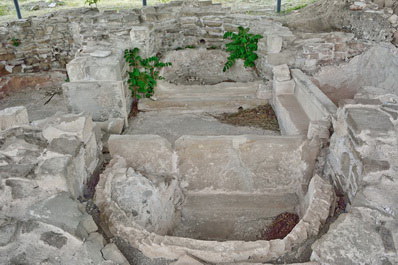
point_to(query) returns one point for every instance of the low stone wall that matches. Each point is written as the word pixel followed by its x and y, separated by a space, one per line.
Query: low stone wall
pixel 43 167
pixel 252 163
pixel 362 163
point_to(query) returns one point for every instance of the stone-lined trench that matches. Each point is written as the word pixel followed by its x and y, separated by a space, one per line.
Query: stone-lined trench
pixel 182 188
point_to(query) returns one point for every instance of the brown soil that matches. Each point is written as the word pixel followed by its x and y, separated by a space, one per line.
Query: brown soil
pixel 134 109
pixel 281 226
pixel 261 117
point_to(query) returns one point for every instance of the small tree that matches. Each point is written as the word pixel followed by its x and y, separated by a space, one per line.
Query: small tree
pixel 144 75
pixel 243 46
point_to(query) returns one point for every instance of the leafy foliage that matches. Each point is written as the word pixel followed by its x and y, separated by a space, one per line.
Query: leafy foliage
pixel 243 46
pixel 145 73
pixel 91 2
pixel 15 42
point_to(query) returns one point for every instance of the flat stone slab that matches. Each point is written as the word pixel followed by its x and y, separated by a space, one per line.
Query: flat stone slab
pixel 355 238
pixel 244 163
pixel 224 216
pixel 369 121
pixel 173 125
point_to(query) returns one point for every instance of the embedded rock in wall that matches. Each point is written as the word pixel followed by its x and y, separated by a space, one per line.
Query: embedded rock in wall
pixel 154 202
pixel 362 236
pixel 12 117
pixel 376 67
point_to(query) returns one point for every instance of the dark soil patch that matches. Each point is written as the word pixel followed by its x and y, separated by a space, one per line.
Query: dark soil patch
pixel 134 109
pixel 281 226
pixel 260 117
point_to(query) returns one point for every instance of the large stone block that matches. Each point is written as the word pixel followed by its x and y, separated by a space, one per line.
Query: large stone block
pixel 13 116
pixel 149 154
pixel 103 100
pixel 283 87
pixel 240 163
pixel 93 68
pixel 142 37
pixel 352 239
pixel 370 121
pixel 274 43
pixel 281 73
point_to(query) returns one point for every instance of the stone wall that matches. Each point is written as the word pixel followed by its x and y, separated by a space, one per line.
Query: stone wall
pixel 369 20
pixel 49 42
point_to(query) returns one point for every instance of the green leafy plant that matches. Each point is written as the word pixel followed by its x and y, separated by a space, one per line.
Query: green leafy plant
pixel 15 42
pixel 243 46
pixel 91 2
pixel 143 78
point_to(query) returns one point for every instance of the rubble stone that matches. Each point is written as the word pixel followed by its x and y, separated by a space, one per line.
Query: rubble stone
pixel 14 116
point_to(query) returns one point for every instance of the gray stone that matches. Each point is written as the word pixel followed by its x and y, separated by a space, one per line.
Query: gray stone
pixel 283 87
pixel 102 99
pixel 111 252
pixel 7 232
pixel 239 163
pixel 351 239
pixel 99 66
pixel 54 239
pixel 13 116
pixel 150 154
pixel 88 224
pixel 281 72
pixel 274 43
pixel 369 121
pixel 59 210
pixel 101 54
pixel 68 146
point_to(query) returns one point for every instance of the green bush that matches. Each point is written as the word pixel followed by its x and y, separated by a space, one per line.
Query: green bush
pixel 243 46
pixel 4 10
pixel 145 73
pixel 91 2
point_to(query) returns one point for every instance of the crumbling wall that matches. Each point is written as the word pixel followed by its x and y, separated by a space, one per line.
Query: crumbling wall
pixel 369 20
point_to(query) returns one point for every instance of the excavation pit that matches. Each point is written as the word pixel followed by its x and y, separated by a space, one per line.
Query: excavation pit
pixel 210 197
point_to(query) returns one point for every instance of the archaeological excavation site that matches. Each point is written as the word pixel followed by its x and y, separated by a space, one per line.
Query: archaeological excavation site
pixel 200 133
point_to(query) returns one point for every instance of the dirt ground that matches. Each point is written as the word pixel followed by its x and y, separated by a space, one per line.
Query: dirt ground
pixel 262 117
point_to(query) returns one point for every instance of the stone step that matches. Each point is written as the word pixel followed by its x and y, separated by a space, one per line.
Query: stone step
pixel 222 97
pixel 229 216
pixel 166 89
pixel 200 105
pixel 291 116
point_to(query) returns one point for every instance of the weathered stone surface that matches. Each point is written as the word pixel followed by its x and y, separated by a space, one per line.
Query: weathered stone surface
pixel 200 71
pixel 40 243
pixel 352 239
pixel 12 117
pixel 283 87
pixel 239 163
pixel 376 67
pixel 59 210
pixel 103 100
pixel 150 154
pixel 274 43
pixel 111 252
pixel 292 118
pixel 369 121
pixel 97 68
pixel 281 72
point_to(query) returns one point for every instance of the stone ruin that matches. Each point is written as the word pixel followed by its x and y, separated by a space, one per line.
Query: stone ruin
pixel 83 183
